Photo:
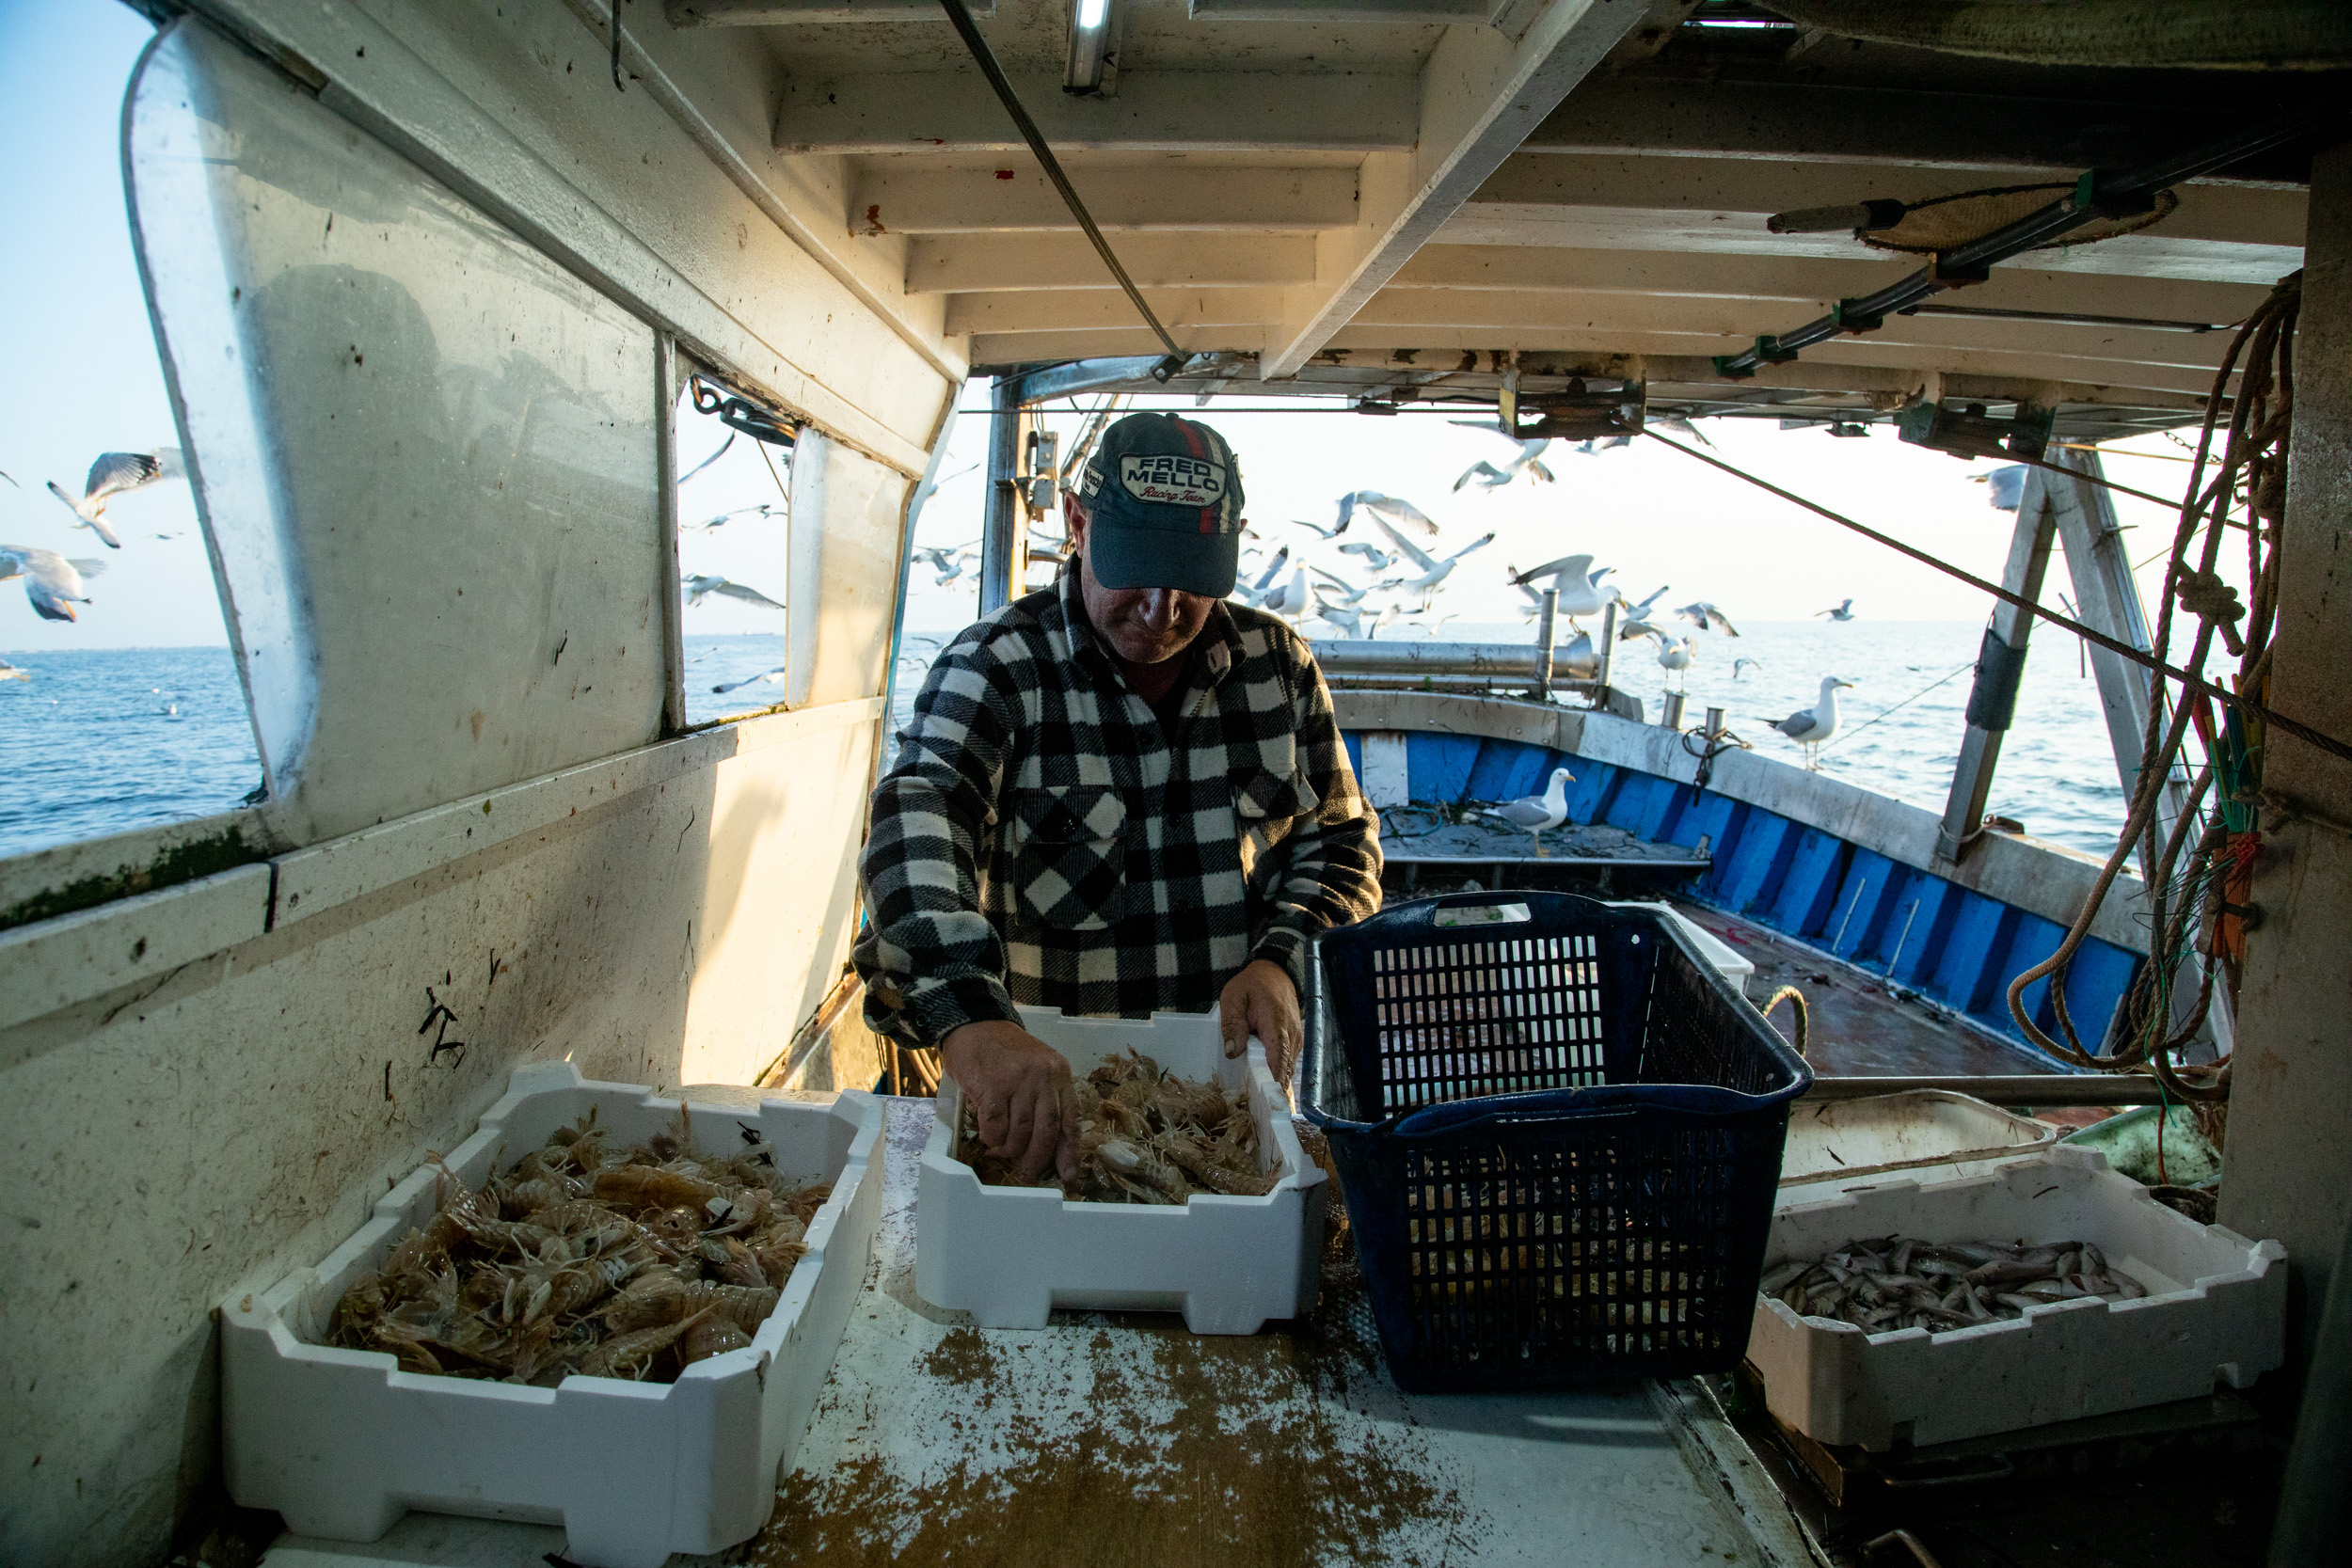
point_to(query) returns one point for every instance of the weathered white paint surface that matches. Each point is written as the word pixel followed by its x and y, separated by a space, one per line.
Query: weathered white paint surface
pixel 207 1126
pixel 424 453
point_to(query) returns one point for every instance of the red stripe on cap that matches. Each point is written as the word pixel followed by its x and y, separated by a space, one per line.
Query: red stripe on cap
pixel 1199 449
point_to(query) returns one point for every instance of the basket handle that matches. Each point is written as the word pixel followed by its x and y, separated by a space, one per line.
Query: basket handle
pixel 1422 913
pixel 1541 1107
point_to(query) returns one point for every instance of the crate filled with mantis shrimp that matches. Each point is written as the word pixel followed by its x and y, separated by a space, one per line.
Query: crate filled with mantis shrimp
pixel 1191 1191
pixel 585 1257
pixel 605 1309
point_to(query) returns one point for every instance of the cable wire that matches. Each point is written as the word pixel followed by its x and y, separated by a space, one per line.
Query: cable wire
pixel 986 59
pixel 2123 650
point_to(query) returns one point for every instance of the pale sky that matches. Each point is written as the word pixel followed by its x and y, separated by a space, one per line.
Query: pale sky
pixel 78 375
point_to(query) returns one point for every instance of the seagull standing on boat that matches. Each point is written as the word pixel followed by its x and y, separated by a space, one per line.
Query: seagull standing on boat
pixel 697 587
pixel 1842 612
pixel 118 473
pixel 1810 726
pixel 53 584
pixel 1674 653
pixel 1536 813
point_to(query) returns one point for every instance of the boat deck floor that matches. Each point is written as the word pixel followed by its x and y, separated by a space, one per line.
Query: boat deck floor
pixel 1424 836
pixel 1860 1026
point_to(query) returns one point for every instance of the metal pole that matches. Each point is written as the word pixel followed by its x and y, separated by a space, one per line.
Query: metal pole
pixel 1608 652
pixel 1546 630
pixel 1002 527
pixel 1980 745
pixel 1670 712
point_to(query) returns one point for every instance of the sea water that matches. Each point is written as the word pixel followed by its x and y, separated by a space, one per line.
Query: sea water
pixel 103 740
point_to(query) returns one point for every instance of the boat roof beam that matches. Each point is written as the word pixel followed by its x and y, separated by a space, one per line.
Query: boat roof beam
pixel 1480 95
pixel 1155 111
pixel 1911 128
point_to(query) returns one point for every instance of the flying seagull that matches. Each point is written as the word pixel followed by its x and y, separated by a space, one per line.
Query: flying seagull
pixel 12 673
pixel 1535 813
pixel 1581 592
pixel 708 460
pixel 1740 664
pixel 1636 612
pixel 1389 509
pixel 774 675
pixel 949 560
pixel 698 587
pixel 1489 477
pixel 765 509
pixel 1375 559
pixel 1708 618
pixel 118 473
pixel 1433 571
pixel 1810 726
pixel 1254 594
pixel 1843 612
pixel 51 581
pixel 1340 593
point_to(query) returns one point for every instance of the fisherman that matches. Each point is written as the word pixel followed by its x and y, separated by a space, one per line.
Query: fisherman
pixel 1116 796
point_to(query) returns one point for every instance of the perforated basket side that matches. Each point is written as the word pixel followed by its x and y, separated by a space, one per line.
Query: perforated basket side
pixel 1564 1251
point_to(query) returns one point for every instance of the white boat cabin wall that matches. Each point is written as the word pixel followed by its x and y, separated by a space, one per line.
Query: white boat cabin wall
pixel 427 324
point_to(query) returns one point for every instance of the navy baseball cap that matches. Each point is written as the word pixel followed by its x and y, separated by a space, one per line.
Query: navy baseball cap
pixel 1164 496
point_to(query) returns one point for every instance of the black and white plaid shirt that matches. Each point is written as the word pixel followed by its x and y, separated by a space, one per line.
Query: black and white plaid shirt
pixel 1042 839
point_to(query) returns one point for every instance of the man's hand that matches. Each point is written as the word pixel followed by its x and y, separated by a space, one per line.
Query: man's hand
pixel 1020 1087
pixel 1262 1001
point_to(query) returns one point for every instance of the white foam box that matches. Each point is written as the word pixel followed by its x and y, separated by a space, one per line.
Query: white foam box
pixel 1845 1141
pixel 2214 1310
pixel 1010 1256
pixel 342 1443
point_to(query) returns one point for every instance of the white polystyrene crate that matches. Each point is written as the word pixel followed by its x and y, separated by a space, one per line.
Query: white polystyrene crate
pixel 1011 1255
pixel 342 1443
pixel 2215 1310
pixel 1847 1140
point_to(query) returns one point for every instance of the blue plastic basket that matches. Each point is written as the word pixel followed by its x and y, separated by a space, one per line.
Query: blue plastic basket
pixel 1558 1130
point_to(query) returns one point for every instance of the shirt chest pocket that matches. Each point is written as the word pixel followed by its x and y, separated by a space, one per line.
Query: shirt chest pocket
pixel 1069 855
pixel 1266 804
